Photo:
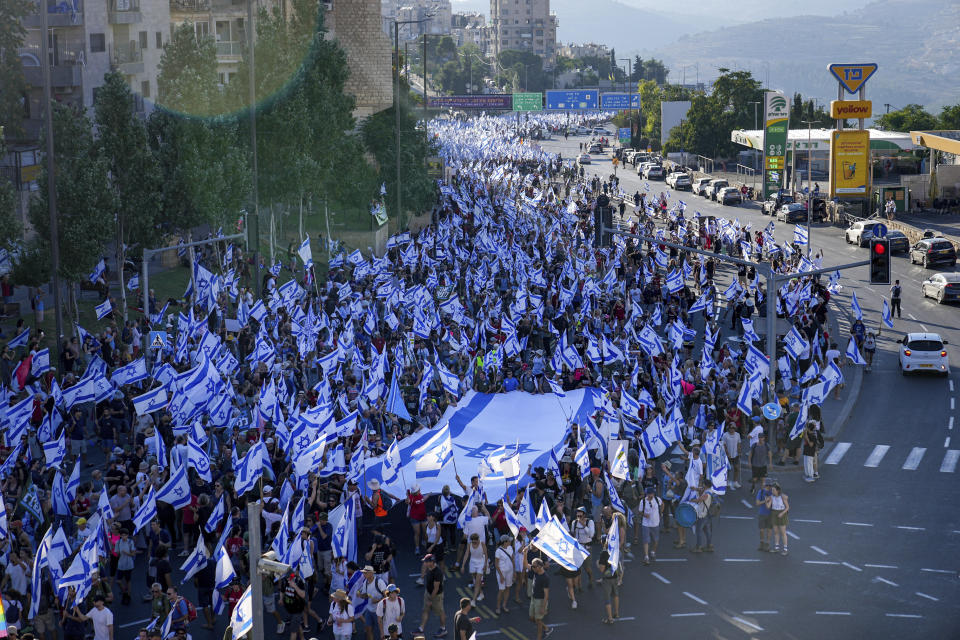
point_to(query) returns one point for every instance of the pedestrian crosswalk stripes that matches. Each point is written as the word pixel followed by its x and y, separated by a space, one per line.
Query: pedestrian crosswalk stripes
pixel 913 460
pixel 876 456
pixel 880 453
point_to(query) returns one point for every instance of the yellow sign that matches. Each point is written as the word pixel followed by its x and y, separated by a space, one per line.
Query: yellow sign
pixel 852 76
pixel 30 173
pixel 850 163
pixel 853 109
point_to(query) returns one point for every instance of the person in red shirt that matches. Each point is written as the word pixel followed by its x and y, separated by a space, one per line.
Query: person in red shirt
pixel 417 512
pixel 233 595
pixel 234 543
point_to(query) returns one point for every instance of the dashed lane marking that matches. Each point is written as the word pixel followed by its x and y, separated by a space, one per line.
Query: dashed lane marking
pixel 694 598
pixel 818 550
pixel 873 460
pixel 659 577
pixel 481 634
pixel 912 317
pixel 820 562
pixel 741 559
pixel 938 571
pixel 686 615
pixel 881 566
pixel 949 464
pixel 746 504
pixel 760 613
pixel 902 615
pixel 793 535
pixel 858 524
pixel 810 521
pixel 838 452
pixel 950 382
pixel 737 517
pixel 885 581
pixel 946 443
pixel 851 566
pixel 906 528
pixel 923 595
pixel 913 460
pixel 139 622
pixel 747 623
pixel 832 613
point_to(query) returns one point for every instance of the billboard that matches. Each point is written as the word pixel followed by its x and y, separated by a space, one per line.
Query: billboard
pixel 619 101
pixel 573 100
pixel 671 115
pixel 776 123
pixel 527 102
pixel 491 101
pixel 849 163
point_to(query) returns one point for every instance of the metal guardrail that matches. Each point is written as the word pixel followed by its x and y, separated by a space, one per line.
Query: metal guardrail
pixel 121 6
pixel 190 5
pixel 125 54
pixel 230 48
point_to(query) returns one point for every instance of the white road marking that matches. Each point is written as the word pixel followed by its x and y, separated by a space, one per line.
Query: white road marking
pixel 850 566
pixel 833 613
pixel 694 598
pixel 881 566
pixel 819 562
pixel 858 524
pixel 813 521
pixel 885 581
pixel 139 622
pixel 938 571
pixel 686 615
pixel 912 317
pixel 741 559
pixel 621 619
pixel 924 327
pixel 671 559
pixel 659 577
pixel 749 624
pixel 838 452
pixel 746 504
pixel 946 443
pixel 953 403
pixel 819 550
pixel 488 633
pixel 902 615
pixel 793 535
pixel 913 460
pixel 949 464
pixel 737 517
pixel 873 460
pixel 950 424
pixel 905 528
pixel 950 383
pixel 923 595
pixel 760 613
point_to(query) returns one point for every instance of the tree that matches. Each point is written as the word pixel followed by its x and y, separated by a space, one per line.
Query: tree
pixel 912 117
pixel 801 110
pixel 469 68
pixel 187 82
pixel 524 68
pixel 11 228
pixel 86 203
pixel 13 86
pixel 950 118
pixel 133 171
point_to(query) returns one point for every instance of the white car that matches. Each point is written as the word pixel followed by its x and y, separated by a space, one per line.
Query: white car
pixel 584 158
pixel 924 352
pixel 854 233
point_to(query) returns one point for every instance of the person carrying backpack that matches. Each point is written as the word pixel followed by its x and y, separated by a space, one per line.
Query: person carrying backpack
pixel 703 527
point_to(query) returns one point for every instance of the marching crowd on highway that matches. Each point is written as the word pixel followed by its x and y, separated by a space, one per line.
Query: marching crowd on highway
pixel 127 470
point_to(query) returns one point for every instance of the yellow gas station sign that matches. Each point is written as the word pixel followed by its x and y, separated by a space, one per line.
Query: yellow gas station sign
pixel 851 109
pixel 850 163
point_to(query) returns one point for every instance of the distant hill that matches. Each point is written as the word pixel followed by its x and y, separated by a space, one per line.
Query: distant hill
pixel 914 42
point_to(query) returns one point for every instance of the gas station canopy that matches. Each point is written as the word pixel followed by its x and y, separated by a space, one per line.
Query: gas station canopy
pixel 946 141
pixel 820 139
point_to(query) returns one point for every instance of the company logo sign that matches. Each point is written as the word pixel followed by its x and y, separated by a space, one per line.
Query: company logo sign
pixel 840 109
pixel 852 76
pixel 776 107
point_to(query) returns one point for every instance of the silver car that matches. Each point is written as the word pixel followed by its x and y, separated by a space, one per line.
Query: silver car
pixel 942 287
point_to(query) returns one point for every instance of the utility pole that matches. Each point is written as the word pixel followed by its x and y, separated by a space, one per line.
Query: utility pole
pixel 52 177
pixel 886 106
pixel 256 582
pixel 809 123
pixel 254 229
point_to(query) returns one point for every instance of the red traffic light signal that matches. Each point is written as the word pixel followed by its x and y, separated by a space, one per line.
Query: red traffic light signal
pixel 879 249
pixel 879 261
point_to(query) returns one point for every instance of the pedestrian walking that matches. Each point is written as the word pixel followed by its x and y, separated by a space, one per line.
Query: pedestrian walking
pixel 540 598
pixel 503 562
pixel 433 597
pixel 651 511
pixel 763 515
pixel 101 617
pixel 895 291
pixel 779 506
pixel 809 450
pixel 760 459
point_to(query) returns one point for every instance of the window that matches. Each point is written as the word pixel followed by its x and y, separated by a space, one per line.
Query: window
pixel 145 88
pixel 202 29
pixel 159 40
pixel 925 345
pixel 98 43
pixel 143 40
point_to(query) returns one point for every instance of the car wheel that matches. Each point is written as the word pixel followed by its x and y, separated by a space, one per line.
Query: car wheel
pixel 926 263
pixel 940 297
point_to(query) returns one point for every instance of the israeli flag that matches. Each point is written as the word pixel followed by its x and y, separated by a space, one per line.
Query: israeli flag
pixel 146 512
pixel 619 468
pixel 198 459
pixel 250 468
pixel 449 380
pixel 176 491
pixel 225 573
pixel 215 517
pixel 629 406
pixel 151 401
pixel 132 373
pixel 582 458
pixel 241 620
pixel 134 282
pixel 795 344
pixel 98 271
pixel 103 309
pixel 853 353
pixel 557 388
pixel 887 317
pixel 306 255
pixel 613 545
pixel 40 363
pixel 434 454
pixel 674 281
pixel 195 561
pixel 21 340
pixel 391 463
pixel 554 540
pixel 55 451
pixel 650 341
pixel 800 235
pixel 811 373
pixel 654 441
pixel 855 305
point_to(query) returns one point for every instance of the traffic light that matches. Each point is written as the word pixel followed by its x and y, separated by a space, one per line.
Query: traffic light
pixel 879 261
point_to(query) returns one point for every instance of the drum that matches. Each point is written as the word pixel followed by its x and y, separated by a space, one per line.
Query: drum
pixel 686 515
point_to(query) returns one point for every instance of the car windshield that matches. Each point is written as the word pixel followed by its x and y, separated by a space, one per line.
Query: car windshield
pixel 940 245
pixel 926 345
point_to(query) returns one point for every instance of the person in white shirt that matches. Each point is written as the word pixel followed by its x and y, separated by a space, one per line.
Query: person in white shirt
pixel 583 530
pixel 475 524
pixel 503 560
pixel 102 619
pixel 731 445
pixel 391 610
pixel 651 510
pixel 341 615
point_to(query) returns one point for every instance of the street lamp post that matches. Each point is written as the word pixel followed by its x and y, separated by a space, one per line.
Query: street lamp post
pixel 809 123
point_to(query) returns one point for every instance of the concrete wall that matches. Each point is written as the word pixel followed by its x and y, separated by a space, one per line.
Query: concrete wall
pixel 356 26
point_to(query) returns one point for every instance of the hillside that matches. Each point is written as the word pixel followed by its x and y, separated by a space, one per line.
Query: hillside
pixel 913 41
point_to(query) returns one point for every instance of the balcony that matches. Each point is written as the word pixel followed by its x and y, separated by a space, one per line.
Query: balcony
pixel 125 12
pixel 127 59
pixel 66 68
pixel 233 50
pixel 190 6
pixel 60 13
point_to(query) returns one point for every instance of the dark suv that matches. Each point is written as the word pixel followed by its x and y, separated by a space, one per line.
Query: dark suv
pixel 931 251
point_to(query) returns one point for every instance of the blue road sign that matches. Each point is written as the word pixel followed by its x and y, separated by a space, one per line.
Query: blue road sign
pixel 771 411
pixel 879 230
pixel 157 339
pixel 619 101
pixel 573 100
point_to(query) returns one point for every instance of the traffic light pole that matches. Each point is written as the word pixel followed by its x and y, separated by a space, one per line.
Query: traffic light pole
pixel 764 269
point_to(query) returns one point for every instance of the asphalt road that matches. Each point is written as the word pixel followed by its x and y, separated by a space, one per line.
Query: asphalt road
pixel 874 544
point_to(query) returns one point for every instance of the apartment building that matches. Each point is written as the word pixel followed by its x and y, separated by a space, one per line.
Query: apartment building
pixel 87 39
pixel 471 28
pixel 586 50
pixel 436 17
pixel 524 25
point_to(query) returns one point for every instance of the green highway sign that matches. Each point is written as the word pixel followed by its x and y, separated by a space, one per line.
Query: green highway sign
pixel 527 102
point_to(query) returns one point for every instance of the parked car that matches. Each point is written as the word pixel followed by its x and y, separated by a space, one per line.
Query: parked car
pixel 679 180
pixel 942 287
pixel 796 212
pixel 924 352
pixel 642 167
pixel 729 195
pixel 854 233
pixel 700 185
pixel 715 185
pixel 933 251
pixel 584 158
pixel 653 172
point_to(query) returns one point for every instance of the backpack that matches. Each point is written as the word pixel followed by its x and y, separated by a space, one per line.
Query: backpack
pixel 630 495
pixel 191 611
pixel 714 509
pixel 896 291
